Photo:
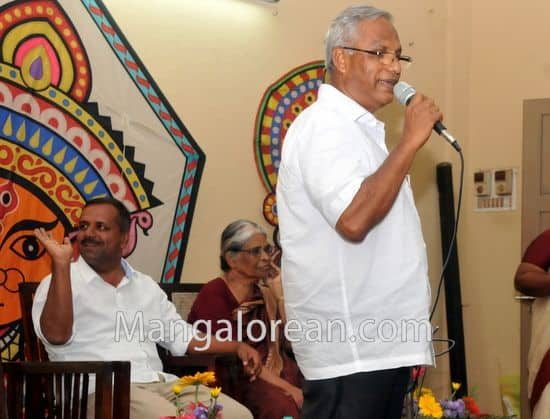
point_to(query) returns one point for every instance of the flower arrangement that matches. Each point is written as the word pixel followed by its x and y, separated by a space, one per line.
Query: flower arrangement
pixel 197 409
pixel 428 407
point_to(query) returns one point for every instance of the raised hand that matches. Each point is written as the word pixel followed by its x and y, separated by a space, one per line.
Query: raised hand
pixel 420 116
pixel 59 252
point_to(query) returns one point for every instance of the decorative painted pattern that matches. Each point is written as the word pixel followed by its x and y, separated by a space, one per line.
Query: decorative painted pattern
pixel 194 155
pixel 281 103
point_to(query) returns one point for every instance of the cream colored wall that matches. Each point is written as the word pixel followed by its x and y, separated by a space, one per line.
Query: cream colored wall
pixel 213 59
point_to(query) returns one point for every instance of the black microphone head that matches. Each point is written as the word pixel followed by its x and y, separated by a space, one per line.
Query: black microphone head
pixel 404 92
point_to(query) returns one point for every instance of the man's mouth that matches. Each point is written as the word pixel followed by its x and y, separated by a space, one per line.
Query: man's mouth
pixel 90 243
pixel 388 83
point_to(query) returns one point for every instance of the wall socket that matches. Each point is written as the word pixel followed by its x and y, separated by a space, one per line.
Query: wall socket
pixel 495 189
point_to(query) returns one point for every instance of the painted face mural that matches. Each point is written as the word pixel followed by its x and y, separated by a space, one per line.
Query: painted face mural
pixel 77 111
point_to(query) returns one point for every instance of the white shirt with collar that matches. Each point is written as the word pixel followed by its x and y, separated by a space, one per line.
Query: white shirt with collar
pixel 98 307
pixel 351 307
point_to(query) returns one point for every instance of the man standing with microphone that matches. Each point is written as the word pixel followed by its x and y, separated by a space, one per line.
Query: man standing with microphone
pixel 353 252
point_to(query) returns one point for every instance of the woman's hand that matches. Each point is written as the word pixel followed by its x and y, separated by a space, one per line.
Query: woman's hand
pixel 297 395
pixel 250 358
pixel 273 280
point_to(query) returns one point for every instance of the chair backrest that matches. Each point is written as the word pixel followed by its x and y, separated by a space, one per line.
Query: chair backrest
pixel 33 349
pixel 182 295
pixel 60 389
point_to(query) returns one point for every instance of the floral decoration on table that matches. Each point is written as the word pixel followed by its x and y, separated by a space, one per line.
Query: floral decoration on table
pixel 197 409
pixel 427 406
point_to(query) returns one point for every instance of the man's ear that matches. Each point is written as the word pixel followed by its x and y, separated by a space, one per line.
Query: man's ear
pixel 125 240
pixel 340 60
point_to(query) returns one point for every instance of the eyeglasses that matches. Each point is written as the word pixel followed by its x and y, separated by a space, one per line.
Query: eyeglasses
pixel 386 57
pixel 256 251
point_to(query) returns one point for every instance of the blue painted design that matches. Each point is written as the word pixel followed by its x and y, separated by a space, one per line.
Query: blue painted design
pixel 58 143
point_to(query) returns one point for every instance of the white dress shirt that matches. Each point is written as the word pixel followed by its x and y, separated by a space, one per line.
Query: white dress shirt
pixel 96 307
pixel 352 307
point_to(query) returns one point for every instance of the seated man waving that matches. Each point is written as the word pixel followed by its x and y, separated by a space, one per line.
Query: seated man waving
pixel 82 311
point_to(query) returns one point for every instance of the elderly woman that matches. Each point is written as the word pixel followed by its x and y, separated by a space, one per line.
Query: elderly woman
pixel 248 296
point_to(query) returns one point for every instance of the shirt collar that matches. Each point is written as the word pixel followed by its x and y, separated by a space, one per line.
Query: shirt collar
pixel 89 274
pixel 344 104
pixel 349 108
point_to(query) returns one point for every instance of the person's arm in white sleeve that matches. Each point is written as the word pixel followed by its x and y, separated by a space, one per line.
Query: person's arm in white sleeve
pixel 187 340
pixel 56 318
pixel 379 190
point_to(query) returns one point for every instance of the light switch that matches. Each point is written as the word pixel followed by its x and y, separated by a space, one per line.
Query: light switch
pixel 503 182
pixel 482 183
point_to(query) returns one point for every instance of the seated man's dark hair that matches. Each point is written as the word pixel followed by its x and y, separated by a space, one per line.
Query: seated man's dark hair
pixel 123 213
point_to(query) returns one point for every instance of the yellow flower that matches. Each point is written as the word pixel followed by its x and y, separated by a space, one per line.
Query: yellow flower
pixel 215 392
pixel 203 378
pixel 455 386
pixel 421 391
pixel 177 388
pixel 429 406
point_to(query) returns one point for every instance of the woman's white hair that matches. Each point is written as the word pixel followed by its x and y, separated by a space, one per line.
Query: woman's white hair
pixel 343 28
pixel 234 237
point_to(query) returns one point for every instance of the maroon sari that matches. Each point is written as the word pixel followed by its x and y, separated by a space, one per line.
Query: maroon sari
pixel 538 253
pixel 215 302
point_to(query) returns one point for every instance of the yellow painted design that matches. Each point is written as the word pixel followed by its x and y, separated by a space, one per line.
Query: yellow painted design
pixel 272 103
pixel 24 30
pixel 283 90
pixel 37 53
pixel 265 140
pixel 35 139
pixel 60 156
pixel 48 147
pixel 80 176
pixel 69 167
pixel 313 74
pixel 267 121
pixel 89 188
pixel 297 80
pixel 69 200
pixel 21 133
pixel 8 128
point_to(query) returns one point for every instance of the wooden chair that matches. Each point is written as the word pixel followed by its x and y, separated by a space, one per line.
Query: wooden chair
pixel 183 296
pixel 33 348
pixel 60 389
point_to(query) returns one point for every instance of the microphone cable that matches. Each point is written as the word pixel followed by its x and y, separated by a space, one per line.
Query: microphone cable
pixel 453 237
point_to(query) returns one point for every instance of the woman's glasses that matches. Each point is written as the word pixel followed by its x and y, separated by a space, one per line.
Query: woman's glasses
pixel 256 251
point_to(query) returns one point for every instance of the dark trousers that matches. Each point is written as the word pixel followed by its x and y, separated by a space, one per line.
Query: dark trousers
pixel 365 395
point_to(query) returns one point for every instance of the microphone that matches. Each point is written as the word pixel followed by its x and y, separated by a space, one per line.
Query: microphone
pixel 404 92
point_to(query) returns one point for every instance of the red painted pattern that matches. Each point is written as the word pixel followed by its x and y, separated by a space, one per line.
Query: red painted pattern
pixel 108 29
pixel 181 219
